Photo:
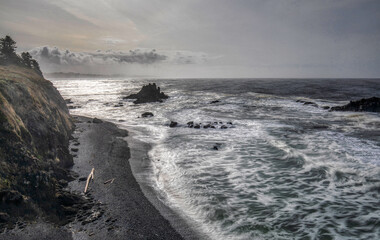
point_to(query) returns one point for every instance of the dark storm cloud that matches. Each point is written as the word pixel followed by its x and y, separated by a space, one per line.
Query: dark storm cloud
pixel 52 55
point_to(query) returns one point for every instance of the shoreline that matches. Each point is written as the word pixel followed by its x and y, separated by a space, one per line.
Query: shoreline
pixel 106 147
pixel 122 209
pixel 140 165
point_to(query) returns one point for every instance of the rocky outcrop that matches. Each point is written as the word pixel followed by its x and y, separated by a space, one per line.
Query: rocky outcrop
pixel 148 93
pixel 205 125
pixel 35 128
pixel 147 114
pixel 363 105
pixel 97 120
pixel 173 124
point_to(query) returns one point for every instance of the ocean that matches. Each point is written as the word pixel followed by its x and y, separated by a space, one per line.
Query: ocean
pixel 282 169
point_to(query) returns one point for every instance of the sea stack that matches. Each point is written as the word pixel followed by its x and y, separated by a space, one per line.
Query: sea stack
pixel 148 93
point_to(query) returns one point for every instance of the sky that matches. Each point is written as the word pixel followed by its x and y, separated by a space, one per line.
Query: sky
pixel 199 38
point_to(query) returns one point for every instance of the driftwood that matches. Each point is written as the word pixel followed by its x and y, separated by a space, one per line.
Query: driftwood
pixel 109 181
pixel 90 177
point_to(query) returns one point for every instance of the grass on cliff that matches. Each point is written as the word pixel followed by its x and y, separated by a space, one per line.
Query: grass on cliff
pixel 35 127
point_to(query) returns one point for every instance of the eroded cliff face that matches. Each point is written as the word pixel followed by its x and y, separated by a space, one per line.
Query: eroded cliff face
pixel 35 128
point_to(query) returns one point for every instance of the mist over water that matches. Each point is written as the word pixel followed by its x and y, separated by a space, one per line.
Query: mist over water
pixel 284 170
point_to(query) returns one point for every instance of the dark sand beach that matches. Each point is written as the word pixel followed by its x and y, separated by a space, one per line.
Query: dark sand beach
pixel 121 209
pixel 128 214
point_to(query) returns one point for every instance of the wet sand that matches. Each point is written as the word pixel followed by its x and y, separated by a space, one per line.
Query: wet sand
pixel 127 212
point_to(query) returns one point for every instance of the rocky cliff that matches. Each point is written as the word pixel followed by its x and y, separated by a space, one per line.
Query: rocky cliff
pixel 35 128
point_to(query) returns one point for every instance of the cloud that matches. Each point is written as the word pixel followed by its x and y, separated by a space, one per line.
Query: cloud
pixel 53 55
pixel 55 59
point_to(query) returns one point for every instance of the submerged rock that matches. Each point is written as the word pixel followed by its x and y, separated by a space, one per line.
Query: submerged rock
pixel 148 93
pixel 74 107
pixel 216 146
pixel 119 104
pixel 147 114
pixel 307 103
pixel 363 105
pixel 215 101
pixel 69 101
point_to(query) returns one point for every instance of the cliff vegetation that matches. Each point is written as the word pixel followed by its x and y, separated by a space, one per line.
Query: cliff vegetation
pixel 35 128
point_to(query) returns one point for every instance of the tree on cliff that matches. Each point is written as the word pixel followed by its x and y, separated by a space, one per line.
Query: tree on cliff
pixel 27 58
pixel 8 55
pixel 35 66
pixel 28 61
pixel 8 50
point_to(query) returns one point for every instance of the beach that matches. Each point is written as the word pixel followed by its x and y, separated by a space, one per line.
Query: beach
pixel 121 209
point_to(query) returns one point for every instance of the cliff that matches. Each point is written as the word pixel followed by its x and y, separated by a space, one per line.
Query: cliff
pixel 35 128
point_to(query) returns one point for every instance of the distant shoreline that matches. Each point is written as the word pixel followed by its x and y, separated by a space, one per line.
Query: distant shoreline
pixel 86 75
pixel 74 75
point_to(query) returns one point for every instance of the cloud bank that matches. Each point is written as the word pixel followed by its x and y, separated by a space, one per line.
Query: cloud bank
pixel 53 59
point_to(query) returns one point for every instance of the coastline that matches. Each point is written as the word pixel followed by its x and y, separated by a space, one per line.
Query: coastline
pixel 140 165
pixel 119 210
pixel 127 212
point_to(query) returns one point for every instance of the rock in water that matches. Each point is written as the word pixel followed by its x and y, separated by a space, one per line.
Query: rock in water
pixel 173 124
pixel 363 105
pixel 307 103
pixel 147 114
pixel 148 93
pixel 96 120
